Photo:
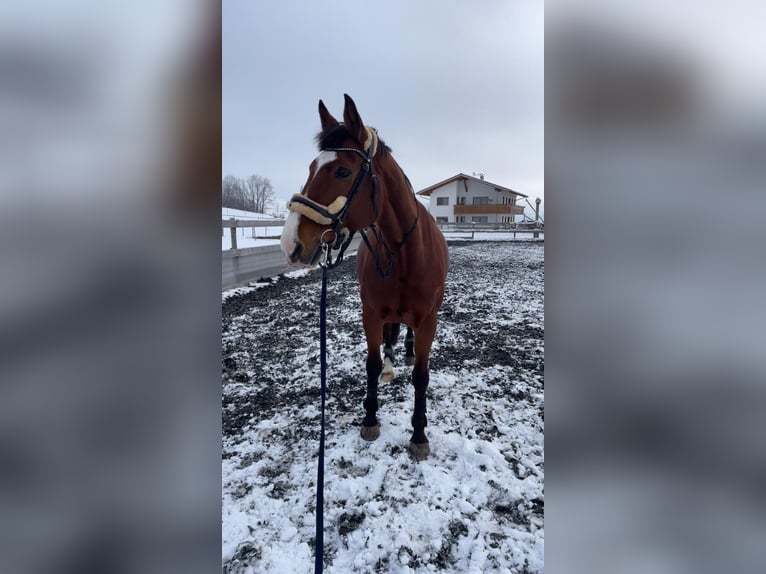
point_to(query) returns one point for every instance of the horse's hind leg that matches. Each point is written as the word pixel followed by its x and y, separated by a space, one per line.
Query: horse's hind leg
pixel 373 330
pixel 409 353
pixel 390 337
pixel 424 336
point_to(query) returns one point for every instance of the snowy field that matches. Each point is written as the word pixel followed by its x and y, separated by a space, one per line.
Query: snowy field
pixel 475 505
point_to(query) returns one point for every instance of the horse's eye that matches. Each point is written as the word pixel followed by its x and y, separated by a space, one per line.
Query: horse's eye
pixel 342 173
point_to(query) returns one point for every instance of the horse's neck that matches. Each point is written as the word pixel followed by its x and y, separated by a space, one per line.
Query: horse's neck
pixel 398 211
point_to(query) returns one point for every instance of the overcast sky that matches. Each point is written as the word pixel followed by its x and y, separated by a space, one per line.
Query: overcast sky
pixel 450 86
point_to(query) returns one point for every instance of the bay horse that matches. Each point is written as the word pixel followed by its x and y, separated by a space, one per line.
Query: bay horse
pixel 355 185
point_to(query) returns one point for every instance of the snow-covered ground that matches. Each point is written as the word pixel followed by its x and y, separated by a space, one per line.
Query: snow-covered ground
pixel 475 505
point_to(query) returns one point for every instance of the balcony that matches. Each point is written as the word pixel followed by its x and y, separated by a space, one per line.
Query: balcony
pixel 489 208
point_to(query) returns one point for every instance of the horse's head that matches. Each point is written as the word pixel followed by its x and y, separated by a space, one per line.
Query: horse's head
pixel 338 198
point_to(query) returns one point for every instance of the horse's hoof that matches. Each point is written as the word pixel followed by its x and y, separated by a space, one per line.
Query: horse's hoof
pixel 370 433
pixel 419 451
pixel 409 361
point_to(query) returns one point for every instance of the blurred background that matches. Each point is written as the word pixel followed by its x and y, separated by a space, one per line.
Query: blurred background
pixel 655 394
pixel 110 311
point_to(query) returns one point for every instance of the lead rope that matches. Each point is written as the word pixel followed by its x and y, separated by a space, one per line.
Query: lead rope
pixel 319 552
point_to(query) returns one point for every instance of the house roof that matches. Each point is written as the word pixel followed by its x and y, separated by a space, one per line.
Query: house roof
pixel 427 191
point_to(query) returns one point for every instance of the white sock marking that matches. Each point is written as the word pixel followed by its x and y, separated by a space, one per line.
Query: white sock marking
pixel 388 367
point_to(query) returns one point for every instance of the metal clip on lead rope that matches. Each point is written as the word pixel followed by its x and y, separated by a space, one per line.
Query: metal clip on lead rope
pixel 324 260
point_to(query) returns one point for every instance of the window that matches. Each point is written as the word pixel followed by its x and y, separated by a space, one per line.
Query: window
pixel 480 219
pixel 461 200
pixel 442 220
pixel 460 219
pixel 442 201
pixel 481 200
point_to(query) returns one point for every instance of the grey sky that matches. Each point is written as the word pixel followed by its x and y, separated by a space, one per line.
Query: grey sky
pixel 450 86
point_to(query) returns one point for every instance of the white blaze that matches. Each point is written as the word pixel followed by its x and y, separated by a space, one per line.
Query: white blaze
pixel 289 237
pixel 325 157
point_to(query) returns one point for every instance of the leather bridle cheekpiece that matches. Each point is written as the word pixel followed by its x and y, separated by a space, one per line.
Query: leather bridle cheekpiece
pixel 335 213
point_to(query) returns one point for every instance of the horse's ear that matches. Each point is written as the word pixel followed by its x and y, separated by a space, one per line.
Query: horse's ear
pixel 353 121
pixel 327 120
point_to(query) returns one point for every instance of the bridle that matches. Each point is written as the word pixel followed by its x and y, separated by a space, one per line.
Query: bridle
pixel 335 213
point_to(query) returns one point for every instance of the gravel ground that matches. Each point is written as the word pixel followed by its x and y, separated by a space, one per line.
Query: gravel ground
pixel 475 505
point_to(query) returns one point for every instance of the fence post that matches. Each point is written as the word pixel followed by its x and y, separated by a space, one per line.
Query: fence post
pixel 233 234
pixel 536 234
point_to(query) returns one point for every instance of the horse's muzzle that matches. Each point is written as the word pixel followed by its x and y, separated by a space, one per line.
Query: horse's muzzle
pixel 296 261
pixel 295 252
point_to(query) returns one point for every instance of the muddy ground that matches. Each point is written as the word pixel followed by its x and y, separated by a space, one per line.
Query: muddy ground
pixel 477 501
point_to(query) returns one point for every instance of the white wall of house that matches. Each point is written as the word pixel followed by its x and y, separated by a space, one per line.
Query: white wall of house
pixel 446 193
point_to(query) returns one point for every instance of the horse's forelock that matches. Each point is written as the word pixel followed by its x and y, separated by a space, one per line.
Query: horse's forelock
pixel 334 137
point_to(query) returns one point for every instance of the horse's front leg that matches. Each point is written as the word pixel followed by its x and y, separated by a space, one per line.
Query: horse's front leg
pixel 424 336
pixel 373 330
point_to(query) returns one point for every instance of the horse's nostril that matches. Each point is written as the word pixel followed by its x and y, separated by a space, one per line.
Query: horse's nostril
pixel 296 253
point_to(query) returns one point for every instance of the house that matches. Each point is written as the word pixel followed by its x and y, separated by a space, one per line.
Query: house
pixel 466 199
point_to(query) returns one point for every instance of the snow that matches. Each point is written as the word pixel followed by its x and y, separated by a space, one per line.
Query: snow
pixel 475 505
pixel 228 212
pixel 249 236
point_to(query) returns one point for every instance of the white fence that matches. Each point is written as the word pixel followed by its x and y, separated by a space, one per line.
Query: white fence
pixel 535 230
pixel 242 266
pixel 233 224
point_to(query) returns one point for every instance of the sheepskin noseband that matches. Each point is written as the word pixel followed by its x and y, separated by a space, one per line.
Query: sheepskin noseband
pixel 321 214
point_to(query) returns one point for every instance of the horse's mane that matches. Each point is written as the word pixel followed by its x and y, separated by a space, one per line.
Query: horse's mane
pixel 334 137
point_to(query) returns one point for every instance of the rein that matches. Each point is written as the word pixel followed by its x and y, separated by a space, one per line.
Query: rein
pixel 319 552
pixel 391 252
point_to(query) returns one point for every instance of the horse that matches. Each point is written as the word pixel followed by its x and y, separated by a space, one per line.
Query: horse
pixel 355 185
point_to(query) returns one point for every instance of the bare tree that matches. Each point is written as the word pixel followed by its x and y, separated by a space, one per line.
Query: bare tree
pixel 259 192
pixel 233 193
pixel 252 194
